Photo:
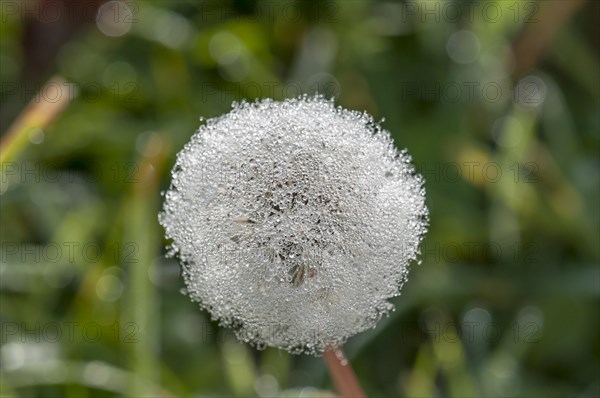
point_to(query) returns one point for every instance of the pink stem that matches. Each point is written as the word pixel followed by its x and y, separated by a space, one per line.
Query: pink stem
pixel 342 374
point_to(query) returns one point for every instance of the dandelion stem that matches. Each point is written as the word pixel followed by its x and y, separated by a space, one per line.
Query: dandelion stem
pixel 342 374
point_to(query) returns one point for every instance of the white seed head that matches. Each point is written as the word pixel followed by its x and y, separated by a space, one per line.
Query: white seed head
pixel 295 221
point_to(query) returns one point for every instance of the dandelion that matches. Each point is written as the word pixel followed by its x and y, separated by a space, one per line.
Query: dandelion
pixel 295 221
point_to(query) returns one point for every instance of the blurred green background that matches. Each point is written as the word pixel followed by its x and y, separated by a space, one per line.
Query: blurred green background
pixel 497 102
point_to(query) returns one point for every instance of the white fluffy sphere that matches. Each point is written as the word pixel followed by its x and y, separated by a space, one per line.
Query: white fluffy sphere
pixel 295 221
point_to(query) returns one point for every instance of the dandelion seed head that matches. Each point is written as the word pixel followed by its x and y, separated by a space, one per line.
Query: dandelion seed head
pixel 295 221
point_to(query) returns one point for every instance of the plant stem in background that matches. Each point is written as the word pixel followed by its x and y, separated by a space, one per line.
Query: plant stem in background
pixel 531 45
pixel 48 103
pixel 141 308
pixel 342 374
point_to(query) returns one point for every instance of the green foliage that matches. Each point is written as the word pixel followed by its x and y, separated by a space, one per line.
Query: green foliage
pixel 505 300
